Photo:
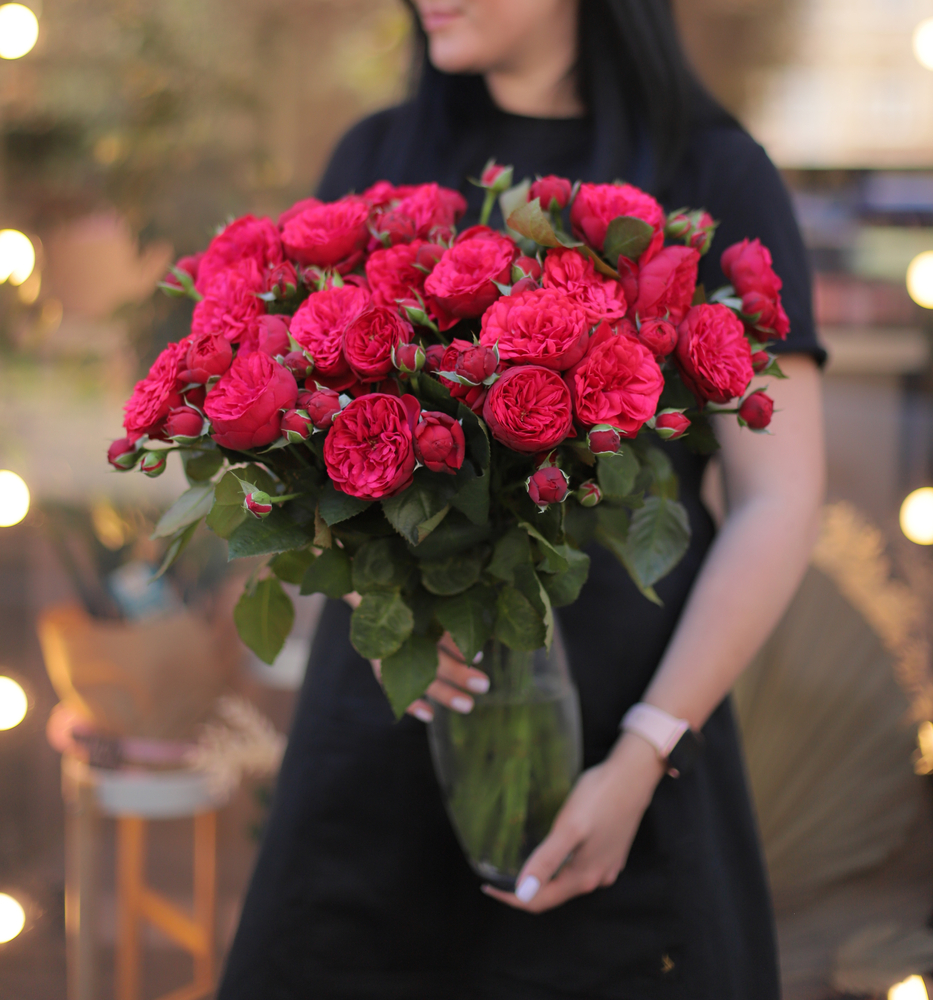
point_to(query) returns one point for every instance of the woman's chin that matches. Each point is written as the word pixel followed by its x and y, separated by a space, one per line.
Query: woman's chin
pixel 449 57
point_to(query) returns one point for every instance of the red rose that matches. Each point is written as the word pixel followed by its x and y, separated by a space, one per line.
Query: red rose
pixel 574 275
pixel 702 233
pixel 712 354
pixel 369 339
pixel 184 424
pixel 476 364
pixel 369 451
pixel 543 327
pixel 439 442
pixel 671 425
pixel 666 284
pixel 230 306
pixel 461 285
pixel 659 336
pixel 318 327
pixel 529 409
pixel 757 410
pixel 281 280
pixel 760 361
pixel 247 238
pixel 298 208
pixel 155 395
pixel 272 335
pixel 383 193
pixel 392 274
pixel 122 454
pixel 748 266
pixel 550 189
pixel 189 265
pixel 434 357
pixel 491 174
pixel 604 439
pixel 195 396
pixel 245 406
pixel 472 396
pixel 408 358
pixel 298 364
pixel 596 205
pixel 329 235
pixel 618 382
pixel 526 267
pixel 548 485
pixel 296 425
pixel 427 211
pixel 258 503
pixel 321 404
pixel 208 355
pixel 766 315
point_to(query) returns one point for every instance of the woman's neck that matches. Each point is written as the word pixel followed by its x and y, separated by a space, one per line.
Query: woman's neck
pixel 537 94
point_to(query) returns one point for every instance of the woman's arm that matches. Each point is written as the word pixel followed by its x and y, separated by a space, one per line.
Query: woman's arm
pixel 774 486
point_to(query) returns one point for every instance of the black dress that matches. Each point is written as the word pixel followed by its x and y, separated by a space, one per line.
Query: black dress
pixel 361 890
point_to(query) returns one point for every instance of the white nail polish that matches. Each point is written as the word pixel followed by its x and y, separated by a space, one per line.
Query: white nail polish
pixel 479 657
pixel 461 704
pixel 478 684
pixel 424 714
pixel 527 889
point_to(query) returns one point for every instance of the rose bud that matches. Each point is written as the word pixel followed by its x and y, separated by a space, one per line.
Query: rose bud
pixel 416 314
pixel 428 255
pixel 760 361
pixel 184 425
pixel 476 364
pixel 548 485
pixel 408 358
pixel 282 280
pixel 153 463
pixel 756 411
pixel 439 442
pixel 496 178
pixel 703 229
pixel 554 192
pixel 604 439
pixel 678 225
pixel 122 454
pixel 589 494
pixel 524 285
pixel 659 336
pixel 258 504
pixel 195 397
pixel 671 426
pixel 296 426
pixel 208 356
pixel 181 278
pixel 546 459
pixel 525 267
pixel 321 405
pixel 273 336
pixel 298 364
pixel 433 357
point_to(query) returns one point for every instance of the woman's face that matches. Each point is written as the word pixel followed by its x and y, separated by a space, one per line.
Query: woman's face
pixel 482 36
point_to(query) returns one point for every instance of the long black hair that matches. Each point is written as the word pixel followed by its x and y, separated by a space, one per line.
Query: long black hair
pixel 634 80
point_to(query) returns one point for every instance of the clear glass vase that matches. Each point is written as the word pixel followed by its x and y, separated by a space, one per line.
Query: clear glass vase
pixel 506 768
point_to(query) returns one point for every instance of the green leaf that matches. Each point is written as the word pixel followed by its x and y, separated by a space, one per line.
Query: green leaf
pixel 380 625
pixel 454 574
pixel 473 497
pixel 191 506
pixel 612 538
pixel 554 562
pixel 228 514
pixel 469 618
pixel 329 574
pixel 224 519
pixel 512 550
pixel 201 465
pixel 454 534
pixel 382 564
pixel 177 545
pixel 434 393
pixel 515 197
pixel 335 506
pixel 564 588
pixel 264 618
pixel 658 536
pixel 407 673
pixel 580 523
pixel 617 473
pixel 477 437
pixel 275 533
pixel 292 566
pixel 518 623
pixel 417 511
pixel 531 221
pixel 628 237
pixel 701 438
pixel 665 482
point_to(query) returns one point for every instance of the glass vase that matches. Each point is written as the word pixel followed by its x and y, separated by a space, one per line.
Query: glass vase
pixel 506 768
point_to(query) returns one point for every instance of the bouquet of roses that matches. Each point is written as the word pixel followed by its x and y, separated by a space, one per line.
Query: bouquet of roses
pixel 442 421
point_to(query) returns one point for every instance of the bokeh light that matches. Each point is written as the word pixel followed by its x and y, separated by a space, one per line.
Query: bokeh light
pixel 920 279
pixel 14 499
pixel 917 516
pixel 19 29
pixel 911 988
pixel 12 918
pixel 923 43
pixel 17 255
pixel 13 703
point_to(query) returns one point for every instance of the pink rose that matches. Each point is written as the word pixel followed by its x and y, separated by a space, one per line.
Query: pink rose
pixel 748 266
pixel 297 209
pixel 671 425
pixel 474 395
pixel 618 382
pixel 272 335
pixel 245 407
pixel 575 275
pixel 427 212
pixel 246 238
pixel 190 265
pixel 231 307
pixel 145 411
pixel 321 404
pixel 529 409
pixel 604 439
pixel 712 354
pixel 369 451
pixel 461 285
pixel 547 485
pixel 318 327
pixel 596 205
pixel 551 188
pixel 659 336
pixel 296 426
pixel 667 283
pixel 392 274
pixel 208 355
pixel 329 235
pixel 439 442
pixel 184 424
pixel 766 315
pixel 757 410
pixel 369 339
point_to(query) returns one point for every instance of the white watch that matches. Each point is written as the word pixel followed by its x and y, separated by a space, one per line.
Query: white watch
pixel 674 741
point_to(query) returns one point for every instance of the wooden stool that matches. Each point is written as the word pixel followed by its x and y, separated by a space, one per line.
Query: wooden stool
pixel 133 798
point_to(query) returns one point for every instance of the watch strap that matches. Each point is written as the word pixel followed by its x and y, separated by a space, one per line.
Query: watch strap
pixel 662 730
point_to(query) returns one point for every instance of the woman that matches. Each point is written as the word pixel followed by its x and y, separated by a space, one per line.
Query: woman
pixel 361 890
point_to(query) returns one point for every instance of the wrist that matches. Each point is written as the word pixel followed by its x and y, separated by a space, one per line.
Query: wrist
pixel 631 753
pixel 674 742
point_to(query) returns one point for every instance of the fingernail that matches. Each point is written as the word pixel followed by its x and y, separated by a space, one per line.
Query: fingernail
pixel 527 889
pixel 478 684
pixel 422 713
pixel 479 657
pixel 461 704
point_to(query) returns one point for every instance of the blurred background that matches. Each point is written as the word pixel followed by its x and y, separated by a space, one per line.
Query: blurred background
pixel 128 131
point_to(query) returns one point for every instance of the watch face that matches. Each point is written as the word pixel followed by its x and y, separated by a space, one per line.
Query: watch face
pixel 684 755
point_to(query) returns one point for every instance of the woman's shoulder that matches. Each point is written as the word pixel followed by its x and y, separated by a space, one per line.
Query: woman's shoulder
pixel 722 160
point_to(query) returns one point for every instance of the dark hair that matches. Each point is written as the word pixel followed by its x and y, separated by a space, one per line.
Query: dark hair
pixel 634 79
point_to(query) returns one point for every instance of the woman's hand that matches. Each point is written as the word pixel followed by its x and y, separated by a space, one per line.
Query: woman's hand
pixel 589 842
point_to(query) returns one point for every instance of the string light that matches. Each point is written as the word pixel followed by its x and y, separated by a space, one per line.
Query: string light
pixel 912 988
pixel 19 29
pixel 13 703
pixel 917 516
pixel 12 918
pixel 17 254
pixel 920 279
pixel 923 43
pixel 14 499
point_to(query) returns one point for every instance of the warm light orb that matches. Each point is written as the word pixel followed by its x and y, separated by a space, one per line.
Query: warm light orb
pixel 14 499
pixel 12 918
pixel 911 988
pixel 17 255
pixel 19 29
pixel 917 516
pixel 13 703
pixel 923 43
pixel 920 279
